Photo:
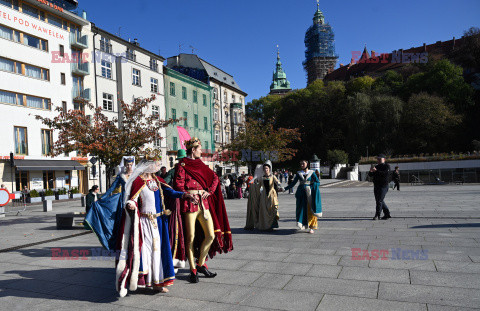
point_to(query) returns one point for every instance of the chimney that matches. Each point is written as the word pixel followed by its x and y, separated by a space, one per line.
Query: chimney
pixel 84 14
pixel 424 47
pixel 135 42
pixel 372 53
pixel 453 45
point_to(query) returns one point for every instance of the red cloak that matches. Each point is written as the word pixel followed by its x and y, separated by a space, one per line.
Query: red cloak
pixel 223 235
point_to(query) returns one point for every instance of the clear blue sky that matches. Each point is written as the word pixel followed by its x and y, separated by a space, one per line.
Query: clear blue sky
pixel 240 36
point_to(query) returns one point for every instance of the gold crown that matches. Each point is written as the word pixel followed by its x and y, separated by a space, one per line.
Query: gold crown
pixel 152 154
pixel 193 142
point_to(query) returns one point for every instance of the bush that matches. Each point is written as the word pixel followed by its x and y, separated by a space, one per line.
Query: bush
pixel 34 194
pixel 62 191
pixel 337 157
pixel 74 190
pixel 49 192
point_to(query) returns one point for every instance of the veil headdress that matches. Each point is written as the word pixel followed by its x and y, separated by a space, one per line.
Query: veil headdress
pixel 125 159
pixel 259 170
pixel 150 164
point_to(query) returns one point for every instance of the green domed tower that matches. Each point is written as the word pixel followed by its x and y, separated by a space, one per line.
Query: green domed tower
pixel 280 85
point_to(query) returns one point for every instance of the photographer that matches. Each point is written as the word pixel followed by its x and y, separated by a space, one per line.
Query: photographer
pixel 380 174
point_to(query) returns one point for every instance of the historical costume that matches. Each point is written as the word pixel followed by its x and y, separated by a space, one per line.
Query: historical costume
pixel 105 214
pixel 207 230
pixel 145 257
pixel 175 223
pixel 262 205
pixel 309 204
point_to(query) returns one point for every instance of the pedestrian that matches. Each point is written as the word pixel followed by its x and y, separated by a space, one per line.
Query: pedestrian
pixel 281 177
pixel 91 197
pixel 380 174
pixel 396 178
pixel 290 180
pixel 162 173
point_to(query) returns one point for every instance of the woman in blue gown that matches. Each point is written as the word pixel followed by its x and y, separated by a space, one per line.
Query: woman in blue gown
pixel 105 214
pixel 309 204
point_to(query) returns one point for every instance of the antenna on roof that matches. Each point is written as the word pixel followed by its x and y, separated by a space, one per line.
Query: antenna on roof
pixel 192 49
pixel 180 48
pixel 118 33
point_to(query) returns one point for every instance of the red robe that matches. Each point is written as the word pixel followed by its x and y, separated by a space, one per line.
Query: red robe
pixel 223 235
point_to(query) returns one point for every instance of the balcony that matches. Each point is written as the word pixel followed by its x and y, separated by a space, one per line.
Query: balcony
pixel 236 105
pixel 79 41
pixel 81 69
pixel 81 94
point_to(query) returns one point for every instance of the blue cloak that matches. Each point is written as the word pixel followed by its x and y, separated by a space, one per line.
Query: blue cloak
pixel 105 214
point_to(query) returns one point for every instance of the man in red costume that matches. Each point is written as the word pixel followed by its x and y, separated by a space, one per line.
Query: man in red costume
pixel 206 226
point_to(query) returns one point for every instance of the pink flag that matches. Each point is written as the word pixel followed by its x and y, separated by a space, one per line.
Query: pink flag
pixel 183 136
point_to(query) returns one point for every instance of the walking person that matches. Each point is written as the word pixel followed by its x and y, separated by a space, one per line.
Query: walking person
pixel 380 174
pixel 91 197
pixel 290 180
pixel 396 178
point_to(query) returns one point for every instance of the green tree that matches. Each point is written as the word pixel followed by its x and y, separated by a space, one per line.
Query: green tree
pixel 428 124
pixel 337 157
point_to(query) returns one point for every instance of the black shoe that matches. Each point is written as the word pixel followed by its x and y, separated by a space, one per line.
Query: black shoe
pixel 193 277
pixel 386 217
pixel 376 218
pixel 205 271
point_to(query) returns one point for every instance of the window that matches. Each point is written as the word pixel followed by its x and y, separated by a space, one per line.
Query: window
pixel 64 106
pixel 225 97
pixel 185 116
pixel 48 179
pixel 131 54
pixel 21 180
pixel 8 98
pixel 157 142
pixel 215 114
pixel 174 113
pixel 184 92
pixel 37 102
pixel 195 97
pixel 53 20
pixel 29 71
pixel 206 145
pixel 235 121
pixel 217 135
pixel 215 93
pixel 105 45
pixel 172 88
pixel 62 78
pixel 106 69
pixel 136 77
pixel 195 120
pixel 205 123
pixel 21 143
pixel 10 3
pixel 175 143
pixel 34 42
pixel 153 64
pixel 29 10
pixel 108 102
pixel 233 98
pixel 6 33
pixel 154 85
pixel 47 141
pixel 205 100
pixel 62 51
pixel 156 111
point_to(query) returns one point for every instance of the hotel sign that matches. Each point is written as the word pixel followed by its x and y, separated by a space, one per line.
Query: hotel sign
pixel 53 6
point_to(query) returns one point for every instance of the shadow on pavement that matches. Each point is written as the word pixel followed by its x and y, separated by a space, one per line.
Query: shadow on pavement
pixel 267 232
pixel 474 225
pixel 62 284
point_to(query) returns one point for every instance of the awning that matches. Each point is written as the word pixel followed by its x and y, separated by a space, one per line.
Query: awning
pixel 48 165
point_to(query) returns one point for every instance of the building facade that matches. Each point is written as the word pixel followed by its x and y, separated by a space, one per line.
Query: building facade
pixel 320 57
pixel 41 68
pixel 190 99
pixel 228 100
pixel 123 72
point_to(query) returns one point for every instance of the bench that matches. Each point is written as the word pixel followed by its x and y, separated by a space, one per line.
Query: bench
pixel 65 221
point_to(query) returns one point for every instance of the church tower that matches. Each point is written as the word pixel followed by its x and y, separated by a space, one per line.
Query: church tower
pixel 280 85
pixel 320 57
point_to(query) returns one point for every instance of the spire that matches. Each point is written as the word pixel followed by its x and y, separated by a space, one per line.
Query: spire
pixel 365 54
pixel 280 84
pixel 318 17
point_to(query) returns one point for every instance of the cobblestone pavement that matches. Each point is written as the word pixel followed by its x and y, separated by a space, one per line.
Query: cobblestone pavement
pixel 433 260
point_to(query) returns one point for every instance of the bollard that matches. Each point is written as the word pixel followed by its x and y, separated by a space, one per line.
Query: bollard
pixel 82 200
pixel 47 205
pixel 2 211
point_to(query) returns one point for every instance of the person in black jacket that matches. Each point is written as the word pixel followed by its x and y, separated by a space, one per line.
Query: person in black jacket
pixel 380 174
pixel 91 197
pixel 396 178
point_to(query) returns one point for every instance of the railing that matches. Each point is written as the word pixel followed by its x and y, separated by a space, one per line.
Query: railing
pixel 81 94
pixel 82 69
pixel 76 39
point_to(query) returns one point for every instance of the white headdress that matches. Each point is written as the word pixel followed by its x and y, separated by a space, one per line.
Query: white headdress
pixel 259 170
pixel 121 167
pixel 145 166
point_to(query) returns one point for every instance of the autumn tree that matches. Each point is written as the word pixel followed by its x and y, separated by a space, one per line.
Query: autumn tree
pixel 108 139
pixel 265 138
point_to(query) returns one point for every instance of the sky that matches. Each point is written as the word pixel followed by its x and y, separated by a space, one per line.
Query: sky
pixel 240 37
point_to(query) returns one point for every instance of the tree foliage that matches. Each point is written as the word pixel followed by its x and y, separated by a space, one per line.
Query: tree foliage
pixel 108 139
